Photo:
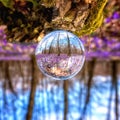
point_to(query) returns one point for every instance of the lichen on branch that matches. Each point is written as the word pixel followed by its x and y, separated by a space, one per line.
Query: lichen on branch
pixel 94 19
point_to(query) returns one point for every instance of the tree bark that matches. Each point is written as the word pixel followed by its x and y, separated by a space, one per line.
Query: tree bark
pixel 65 87
pixel 33 90
pixel 115 86
pixel 26 23
pixel 91 67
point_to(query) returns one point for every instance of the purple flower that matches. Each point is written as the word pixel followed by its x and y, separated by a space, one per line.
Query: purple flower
pixel 116 15
pixel 2 36
pixel 107 20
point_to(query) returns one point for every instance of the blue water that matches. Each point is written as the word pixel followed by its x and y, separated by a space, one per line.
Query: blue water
pixel 49 101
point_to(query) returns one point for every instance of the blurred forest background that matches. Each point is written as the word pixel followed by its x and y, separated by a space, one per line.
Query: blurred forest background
pixel 26 94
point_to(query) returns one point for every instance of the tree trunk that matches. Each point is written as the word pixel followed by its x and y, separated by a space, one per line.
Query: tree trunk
pixel 33 90
pixel 65 87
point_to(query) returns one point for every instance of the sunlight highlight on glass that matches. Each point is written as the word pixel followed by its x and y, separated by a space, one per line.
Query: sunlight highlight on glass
pixel 60 55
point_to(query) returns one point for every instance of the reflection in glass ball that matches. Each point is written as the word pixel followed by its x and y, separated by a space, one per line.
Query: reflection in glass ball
pixel 60 55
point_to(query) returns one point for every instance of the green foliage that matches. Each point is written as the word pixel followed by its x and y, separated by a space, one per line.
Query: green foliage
pixel 7 3
pixel 10 3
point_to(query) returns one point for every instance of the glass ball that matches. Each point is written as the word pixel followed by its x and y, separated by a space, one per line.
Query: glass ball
pixel 60 55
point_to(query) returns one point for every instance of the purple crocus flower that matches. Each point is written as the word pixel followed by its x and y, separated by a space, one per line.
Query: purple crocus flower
pixel 107 20
pixel 116 15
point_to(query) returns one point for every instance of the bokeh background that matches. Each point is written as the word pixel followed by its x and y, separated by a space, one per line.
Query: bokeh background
pixel 93 94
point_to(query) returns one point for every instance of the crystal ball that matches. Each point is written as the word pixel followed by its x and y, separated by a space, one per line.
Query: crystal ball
pixel 60 55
